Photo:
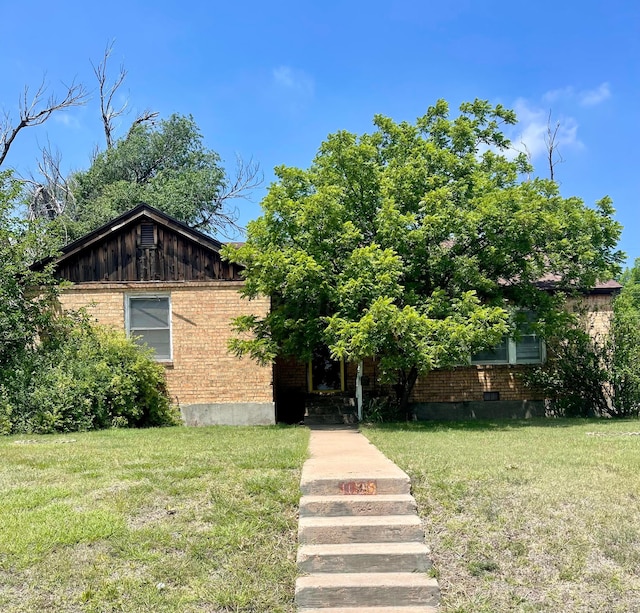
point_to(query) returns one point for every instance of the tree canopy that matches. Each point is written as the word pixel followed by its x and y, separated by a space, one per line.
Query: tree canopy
pixel 413 244
pixel 166 165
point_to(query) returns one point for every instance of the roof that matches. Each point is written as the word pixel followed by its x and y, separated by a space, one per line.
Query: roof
pixel 142 210
pixel 550 283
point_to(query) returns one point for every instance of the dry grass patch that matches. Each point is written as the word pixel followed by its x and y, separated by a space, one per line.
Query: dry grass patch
pixel 174 519
pixel 527 516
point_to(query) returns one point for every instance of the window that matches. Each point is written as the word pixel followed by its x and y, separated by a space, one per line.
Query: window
pixel 526 348
pixel 149 319
pixel 325 374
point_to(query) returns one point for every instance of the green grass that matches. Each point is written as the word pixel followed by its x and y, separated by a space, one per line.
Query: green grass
pixel 174 519
pixel 527 516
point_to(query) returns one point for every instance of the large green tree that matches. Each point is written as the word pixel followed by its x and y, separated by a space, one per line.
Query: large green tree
pixel 413 244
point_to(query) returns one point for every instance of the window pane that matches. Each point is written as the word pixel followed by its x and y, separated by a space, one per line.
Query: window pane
pixel 497 354
pixel 159 340
pixel 149 313
pixel 528 349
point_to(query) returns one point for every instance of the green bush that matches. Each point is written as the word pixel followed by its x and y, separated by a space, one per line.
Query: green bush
pixel 587 375
pixel 83 377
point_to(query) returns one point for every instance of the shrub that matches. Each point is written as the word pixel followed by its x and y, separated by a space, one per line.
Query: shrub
pixel 587 375
pixel 83 377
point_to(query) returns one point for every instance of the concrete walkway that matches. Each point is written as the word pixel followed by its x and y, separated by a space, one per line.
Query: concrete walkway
pixel 361 543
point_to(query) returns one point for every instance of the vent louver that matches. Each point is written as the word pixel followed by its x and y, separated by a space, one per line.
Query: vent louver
pixel 147 235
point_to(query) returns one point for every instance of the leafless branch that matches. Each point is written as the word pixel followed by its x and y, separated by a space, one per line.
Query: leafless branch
pixel 49 193
pixel 34 111
pixel 551 142
pixel 107 92
pixel 224 216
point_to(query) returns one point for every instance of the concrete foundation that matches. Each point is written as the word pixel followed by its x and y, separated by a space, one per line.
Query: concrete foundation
pixel 497 409
pixel 229 414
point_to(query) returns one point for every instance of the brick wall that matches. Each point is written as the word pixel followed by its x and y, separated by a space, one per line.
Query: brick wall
pixel 463 384
pixel 202 370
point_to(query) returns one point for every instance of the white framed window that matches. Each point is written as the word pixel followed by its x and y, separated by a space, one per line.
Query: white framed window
pixel 527 348
pixel 148 319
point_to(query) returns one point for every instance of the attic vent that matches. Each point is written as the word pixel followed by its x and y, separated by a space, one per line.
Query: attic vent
pixel 147 235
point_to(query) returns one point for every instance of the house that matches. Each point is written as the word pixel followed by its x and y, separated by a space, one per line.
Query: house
pixel 166 283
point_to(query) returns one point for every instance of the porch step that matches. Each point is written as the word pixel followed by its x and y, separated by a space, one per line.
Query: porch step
pixel 335 506
pixel 364 558
pixel 330 409
pixel 362 486
pixel 366 589
pixel 360 529
pixel 331 419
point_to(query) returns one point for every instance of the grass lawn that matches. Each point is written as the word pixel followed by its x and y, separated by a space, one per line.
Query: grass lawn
pixel 174 519
pixel 527 516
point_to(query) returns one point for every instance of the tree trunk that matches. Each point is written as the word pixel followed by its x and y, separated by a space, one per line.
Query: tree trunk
pixel 407 384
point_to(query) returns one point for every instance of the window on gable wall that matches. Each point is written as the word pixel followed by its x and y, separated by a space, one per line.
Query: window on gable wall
pixel 526 348
pixel 148 318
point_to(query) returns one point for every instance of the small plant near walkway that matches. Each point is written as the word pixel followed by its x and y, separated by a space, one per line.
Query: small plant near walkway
pixel 526 516
pixel 156 520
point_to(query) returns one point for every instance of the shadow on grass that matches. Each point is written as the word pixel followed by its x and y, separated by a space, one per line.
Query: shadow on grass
pixel 483 425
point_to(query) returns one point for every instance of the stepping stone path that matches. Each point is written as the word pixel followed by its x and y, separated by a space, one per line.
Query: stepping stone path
pixel 361 543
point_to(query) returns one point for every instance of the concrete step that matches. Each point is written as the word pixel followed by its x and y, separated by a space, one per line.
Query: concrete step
pixel 365 529
pixel 334 506
pixel 364 558
pixel 366 590
pixel 407 609
pixel 330 409
pixel 334 419
pixel 357 485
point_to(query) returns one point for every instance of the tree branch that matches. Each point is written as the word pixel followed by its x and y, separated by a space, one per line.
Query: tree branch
pixel 35 111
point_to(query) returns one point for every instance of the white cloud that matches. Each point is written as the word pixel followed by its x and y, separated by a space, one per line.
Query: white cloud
pixel 66 119
pixel 294 81
pixel 585 97
pixel 591 97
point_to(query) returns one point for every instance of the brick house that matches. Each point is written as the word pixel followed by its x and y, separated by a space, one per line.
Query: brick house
pixel 165 282
pixel 156 278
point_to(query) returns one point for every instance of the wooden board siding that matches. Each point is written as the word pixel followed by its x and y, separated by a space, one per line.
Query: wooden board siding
pixel 121 257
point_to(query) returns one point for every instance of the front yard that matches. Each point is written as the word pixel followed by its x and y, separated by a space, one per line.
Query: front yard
pixel 520 516
pixel 527 516
pixel 174 519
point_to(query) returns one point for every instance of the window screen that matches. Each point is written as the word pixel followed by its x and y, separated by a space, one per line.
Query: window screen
pixel 150 321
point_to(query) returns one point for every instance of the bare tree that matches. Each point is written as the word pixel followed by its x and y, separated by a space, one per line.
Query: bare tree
pixel 551 142
pixel 35 110
pixel 107 93
pixel 50 193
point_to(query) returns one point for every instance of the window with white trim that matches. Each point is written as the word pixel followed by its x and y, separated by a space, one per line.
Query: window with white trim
pixel 526 348
pixel 148 320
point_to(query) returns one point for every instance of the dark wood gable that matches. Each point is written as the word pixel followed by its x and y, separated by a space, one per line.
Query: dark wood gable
pixel 144 245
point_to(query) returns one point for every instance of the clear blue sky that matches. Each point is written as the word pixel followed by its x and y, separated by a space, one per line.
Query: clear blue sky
pixel 270 80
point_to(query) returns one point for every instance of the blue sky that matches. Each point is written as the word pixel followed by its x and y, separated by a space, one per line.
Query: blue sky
pixel 269 81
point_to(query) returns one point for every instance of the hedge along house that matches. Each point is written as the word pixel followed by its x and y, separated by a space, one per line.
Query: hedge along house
pixel 162 281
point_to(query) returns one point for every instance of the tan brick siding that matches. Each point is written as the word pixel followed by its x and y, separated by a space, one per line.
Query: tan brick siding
pixel 470 382
pixel 202 370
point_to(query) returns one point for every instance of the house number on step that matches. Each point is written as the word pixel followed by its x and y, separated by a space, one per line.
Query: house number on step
pixel 358 488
